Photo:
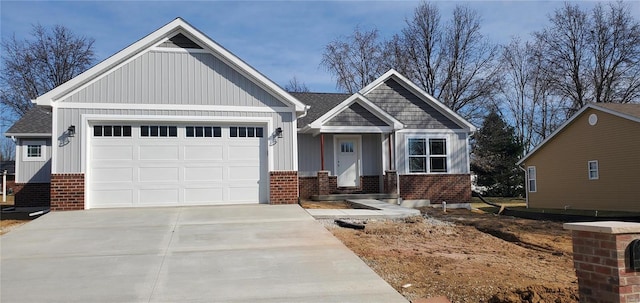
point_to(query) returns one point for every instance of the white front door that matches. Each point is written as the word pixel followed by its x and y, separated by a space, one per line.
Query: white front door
pixel 347 162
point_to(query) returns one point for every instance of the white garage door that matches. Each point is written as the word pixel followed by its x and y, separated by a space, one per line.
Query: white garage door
pixel 164 164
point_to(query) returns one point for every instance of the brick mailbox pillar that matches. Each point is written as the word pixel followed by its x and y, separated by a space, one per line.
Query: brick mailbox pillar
pixel 602 259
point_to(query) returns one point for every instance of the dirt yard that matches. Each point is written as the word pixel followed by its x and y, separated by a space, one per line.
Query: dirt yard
pixel 469 256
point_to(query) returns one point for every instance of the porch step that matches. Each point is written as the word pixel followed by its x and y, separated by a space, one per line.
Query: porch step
pixel 338 197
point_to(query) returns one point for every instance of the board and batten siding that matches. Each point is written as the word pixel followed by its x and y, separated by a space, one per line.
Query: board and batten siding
pixel 69 151
pixel 309 154
pixel 457 153
pixel 562 165
pixel 33 171
pixel 158 77
pixel 405 106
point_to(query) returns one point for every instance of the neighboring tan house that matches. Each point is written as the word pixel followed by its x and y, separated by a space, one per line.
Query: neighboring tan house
pixel 389 134
pixel 175 119
pixel 591 162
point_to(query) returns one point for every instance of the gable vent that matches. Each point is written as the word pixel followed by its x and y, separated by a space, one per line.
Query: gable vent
pixel 180 41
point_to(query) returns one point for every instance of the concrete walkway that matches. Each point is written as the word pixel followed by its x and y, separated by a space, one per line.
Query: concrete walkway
pixel 377 210
pixel 257 253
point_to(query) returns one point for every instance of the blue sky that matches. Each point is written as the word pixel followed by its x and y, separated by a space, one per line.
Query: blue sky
pixel 281 39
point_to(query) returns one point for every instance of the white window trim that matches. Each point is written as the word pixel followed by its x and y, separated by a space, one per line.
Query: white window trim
pixel 43 150
pixel 529 179
pixel 427 136
pixel 597 170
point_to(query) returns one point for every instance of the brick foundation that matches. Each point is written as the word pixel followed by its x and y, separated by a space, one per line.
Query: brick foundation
pixel 601 259
pixel 67 192
pixel 370 184
pixel 437 188
pixel 30 194
pixel 283 187
pixel 308 186
pixel 323 184
pixel 390 182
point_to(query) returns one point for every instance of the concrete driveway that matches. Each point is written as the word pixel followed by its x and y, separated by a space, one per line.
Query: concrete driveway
pixel 257 253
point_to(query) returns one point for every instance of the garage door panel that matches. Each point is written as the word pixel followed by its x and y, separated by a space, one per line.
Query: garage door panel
pixel 244 172
pixel 111 197
pixel 203 195
pixel 203 153
pixel 212 173
pixel 159 152
pixel 112 153
pixel 243 152
pixel 158 174
pixel 168 196
pixel 112 174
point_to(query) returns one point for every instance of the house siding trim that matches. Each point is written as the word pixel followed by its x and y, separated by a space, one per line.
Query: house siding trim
pixel 224 108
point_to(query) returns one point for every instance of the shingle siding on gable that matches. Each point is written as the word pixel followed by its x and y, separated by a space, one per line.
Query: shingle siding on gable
pixel 356 115
pixel 408 108
pixel 176 78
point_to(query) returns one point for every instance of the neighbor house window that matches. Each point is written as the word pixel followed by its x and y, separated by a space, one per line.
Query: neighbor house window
pixel 427 155
pixel 34 150
pixel 593 170
pixel 531 179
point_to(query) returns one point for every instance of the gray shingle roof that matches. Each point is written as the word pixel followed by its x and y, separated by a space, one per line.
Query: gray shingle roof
pixel 320 104
pixel 36 121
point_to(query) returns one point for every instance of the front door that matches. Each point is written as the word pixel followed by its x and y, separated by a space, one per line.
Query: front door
pixel 347 162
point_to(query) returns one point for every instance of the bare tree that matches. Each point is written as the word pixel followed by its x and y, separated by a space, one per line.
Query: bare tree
pixel 615 49
pixel 452 61
pixel 592 57
pixel 7 150
pixel 33 67
pixel 355 60
pixel 295 86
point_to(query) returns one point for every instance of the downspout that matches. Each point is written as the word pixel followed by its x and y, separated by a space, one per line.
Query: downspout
pixel 526 184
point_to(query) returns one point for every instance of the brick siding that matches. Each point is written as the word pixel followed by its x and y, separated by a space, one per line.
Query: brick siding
pixel 67 192
pixel 454 188
pixel 604 273
pixel 370 184
pixel 308 187
pixel 283 187
pixel 30 194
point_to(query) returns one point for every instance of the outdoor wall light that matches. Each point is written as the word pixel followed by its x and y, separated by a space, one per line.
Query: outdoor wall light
pixel 71 131
pixel 279 132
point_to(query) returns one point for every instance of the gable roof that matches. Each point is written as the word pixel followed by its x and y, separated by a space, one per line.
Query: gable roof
pixel 414 89
pixel 170 31
pixel 35 123
pixel 321 122
pixel 630 111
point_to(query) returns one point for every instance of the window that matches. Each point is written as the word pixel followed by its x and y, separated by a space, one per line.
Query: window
pixel 241 131
pixel 531 179
pixel 593 170
pixel 34 150
pixel 158 131
pixel 112 131
pixel 203 131
pixel 427 155
pixel 346 147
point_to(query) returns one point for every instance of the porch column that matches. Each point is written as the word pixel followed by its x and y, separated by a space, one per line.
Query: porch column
pixel 391 182
pixel 323 183
pixel 322 152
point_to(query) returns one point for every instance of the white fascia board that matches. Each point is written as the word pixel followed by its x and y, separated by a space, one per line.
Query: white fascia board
pixel 420 93
pixel 147 43
pixel 558 130
pixel 356 129
pixel 434 130
pixel 232 108
pixel 28 135
pixel 370 106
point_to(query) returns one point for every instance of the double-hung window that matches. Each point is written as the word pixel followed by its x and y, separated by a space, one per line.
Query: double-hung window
pixel 594 173
pixel 531 179
pixel 427 155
